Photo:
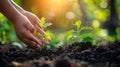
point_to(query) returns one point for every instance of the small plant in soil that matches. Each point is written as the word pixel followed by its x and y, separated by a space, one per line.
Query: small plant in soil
pixel 81 52
pixel 43 25
pixel 79 34
pixel 77 54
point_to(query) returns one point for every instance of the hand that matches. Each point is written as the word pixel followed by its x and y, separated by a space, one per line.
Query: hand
pixel 35 21
pixel 25 23
pixel 24 29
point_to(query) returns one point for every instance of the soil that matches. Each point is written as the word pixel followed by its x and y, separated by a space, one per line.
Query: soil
pixel 78 54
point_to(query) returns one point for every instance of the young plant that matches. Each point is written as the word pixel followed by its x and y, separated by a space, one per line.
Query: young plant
pixel 49 35
pixel 43 25
pixel 80 34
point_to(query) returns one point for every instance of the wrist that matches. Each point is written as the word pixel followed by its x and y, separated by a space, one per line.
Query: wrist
pixel 15 17
pixel 20 9
pixel 24 12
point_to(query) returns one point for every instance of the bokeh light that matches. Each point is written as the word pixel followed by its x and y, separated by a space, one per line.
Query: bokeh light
pixel 61 13
pixel 103 4
pixel 96 23
pixel 70 15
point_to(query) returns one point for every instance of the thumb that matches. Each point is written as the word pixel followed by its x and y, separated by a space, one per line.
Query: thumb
pixel 29 26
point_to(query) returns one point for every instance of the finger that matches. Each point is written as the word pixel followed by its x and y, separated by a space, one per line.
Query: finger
pixel 40 30
pixel 29 26
pixel 33 38
pixel 38 27
pixel 46 42
pixel 42 39
pixel 37 20
pixel 31 43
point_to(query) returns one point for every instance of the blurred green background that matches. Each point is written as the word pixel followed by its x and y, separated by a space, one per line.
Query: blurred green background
pixel 103 16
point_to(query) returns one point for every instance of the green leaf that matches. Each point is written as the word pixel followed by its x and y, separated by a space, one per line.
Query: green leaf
pixel 54 42
pixel 87 38
pixel 43 24
pixel 118 30
pixel 19 2
pixel 86 28
pixel 111 39
pixel 42 21
pixel 69 34
pixel 118 33
pixel 49 35
pixel 37 34
pixel 78 24
pixel 47 24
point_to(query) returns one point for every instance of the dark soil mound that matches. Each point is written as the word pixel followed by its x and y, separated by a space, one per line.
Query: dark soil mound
pixel 57 57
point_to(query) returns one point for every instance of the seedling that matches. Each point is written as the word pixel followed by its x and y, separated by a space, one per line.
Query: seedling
pixel 43 25
pixel 79 34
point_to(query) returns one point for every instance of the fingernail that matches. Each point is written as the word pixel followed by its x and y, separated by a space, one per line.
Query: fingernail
pixel 40 44
pixel 49 40
pixel 38 48
pixel 46 42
